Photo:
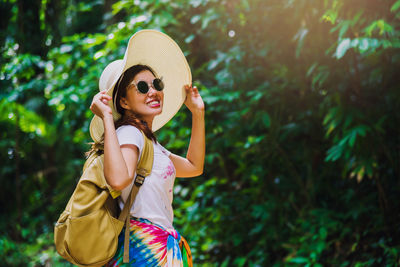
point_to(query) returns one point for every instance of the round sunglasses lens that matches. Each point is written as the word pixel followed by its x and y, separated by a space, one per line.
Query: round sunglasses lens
pixel 143 87
pixel 158 84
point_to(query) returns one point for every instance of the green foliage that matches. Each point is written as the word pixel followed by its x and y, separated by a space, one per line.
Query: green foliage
pixel 302 113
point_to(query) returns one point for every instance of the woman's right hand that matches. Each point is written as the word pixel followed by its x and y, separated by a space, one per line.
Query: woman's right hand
pixel 100 105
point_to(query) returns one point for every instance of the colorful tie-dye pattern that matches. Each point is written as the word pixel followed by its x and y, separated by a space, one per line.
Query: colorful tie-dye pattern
pixel 152 245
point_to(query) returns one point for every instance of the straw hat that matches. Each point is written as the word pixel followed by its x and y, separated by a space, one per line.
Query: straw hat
pixel 158 51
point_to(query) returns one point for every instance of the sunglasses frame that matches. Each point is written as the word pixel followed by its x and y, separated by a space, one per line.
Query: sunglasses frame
pixel 148 87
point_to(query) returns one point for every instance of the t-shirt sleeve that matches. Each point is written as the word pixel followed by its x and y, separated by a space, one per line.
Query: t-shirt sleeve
pixel 164 150
pixel 130 135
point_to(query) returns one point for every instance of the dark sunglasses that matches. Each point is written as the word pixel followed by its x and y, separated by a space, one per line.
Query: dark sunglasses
pixel 144 88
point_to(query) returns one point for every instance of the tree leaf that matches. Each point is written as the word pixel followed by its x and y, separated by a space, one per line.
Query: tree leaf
pixel 342 48
pixel 266 119
pixel 395 6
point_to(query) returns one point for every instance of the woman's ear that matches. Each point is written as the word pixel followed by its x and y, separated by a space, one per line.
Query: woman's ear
pixel 123 103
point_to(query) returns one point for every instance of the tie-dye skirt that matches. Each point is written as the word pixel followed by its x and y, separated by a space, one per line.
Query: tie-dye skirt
pixel 152 245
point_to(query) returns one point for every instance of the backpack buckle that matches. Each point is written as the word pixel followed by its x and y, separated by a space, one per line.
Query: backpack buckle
pixel 140 176
pixel 139 180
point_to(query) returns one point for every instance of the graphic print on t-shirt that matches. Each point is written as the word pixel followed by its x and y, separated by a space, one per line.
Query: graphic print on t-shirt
pixel 169 171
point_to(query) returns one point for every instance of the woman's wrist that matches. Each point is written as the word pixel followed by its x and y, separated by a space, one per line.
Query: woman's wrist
pixel 108 119
pixel 198 112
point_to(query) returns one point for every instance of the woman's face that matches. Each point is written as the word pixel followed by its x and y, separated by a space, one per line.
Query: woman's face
pixel 145 105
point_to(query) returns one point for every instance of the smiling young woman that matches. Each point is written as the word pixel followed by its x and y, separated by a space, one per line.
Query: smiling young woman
pixel 135 101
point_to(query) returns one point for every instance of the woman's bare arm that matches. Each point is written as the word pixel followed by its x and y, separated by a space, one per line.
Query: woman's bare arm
pixel 193 164
pixel 119 162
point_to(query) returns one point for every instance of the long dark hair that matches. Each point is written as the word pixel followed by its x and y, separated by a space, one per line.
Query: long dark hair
pixel 128 117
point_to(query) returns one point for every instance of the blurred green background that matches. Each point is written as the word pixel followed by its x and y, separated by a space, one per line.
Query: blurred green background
pixel 302 124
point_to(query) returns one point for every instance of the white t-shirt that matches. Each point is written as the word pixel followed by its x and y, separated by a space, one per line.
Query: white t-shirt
pixel 154 199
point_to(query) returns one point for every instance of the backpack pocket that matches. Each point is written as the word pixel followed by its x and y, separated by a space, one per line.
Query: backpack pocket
pixel 87 249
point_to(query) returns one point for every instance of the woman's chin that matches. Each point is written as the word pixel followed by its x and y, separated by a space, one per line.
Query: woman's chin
pixel 158 110
pixel 155 111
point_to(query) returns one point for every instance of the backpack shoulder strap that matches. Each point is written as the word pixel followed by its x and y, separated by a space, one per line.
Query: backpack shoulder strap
pixel 143 170
pixel 145 164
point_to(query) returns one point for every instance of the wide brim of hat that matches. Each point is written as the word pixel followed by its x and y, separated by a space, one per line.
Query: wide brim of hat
pixel 158 51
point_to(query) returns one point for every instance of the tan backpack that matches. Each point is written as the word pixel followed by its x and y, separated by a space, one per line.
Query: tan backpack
pixel 86 234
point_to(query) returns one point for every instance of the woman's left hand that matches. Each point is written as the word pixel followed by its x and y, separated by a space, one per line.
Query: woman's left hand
pixel 193 100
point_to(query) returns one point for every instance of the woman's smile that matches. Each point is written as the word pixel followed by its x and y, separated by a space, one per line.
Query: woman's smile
pixel 153 103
